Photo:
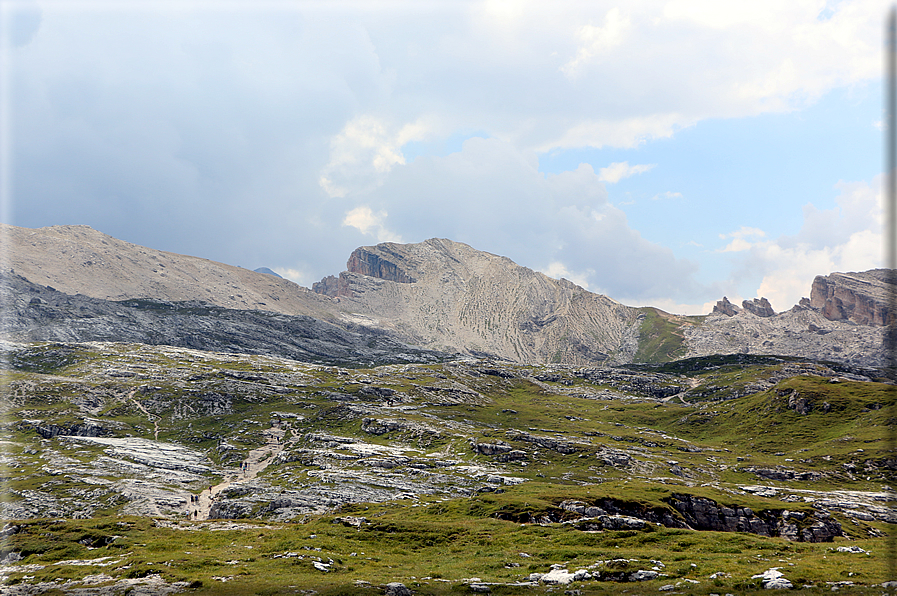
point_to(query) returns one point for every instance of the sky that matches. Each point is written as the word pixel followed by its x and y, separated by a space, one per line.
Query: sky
pixel 663 153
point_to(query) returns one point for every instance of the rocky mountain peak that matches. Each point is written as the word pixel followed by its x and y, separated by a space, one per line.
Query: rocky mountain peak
pixel 448 294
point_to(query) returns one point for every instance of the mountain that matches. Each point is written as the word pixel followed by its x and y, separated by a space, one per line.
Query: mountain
pixel 268 271
pixel 445 295
pixel 37 313
pixel 81 260
pixel 842 321
pixel 438 295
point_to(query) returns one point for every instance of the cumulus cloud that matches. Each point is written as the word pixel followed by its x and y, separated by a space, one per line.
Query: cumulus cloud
pixel 369 223
pixel 597 41
pixel 621 169
pixel 740 239
pixel 364 152
pixel 847 237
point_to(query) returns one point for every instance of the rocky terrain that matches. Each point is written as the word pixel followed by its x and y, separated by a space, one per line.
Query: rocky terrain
pixel 435 420
pixel 802 331
pixel 401 301
pixel 38 313
pixel 781 450
pixel 448 296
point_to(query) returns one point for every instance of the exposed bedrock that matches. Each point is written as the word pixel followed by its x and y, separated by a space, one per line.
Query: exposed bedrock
pixel 367 263
pixel 759 306
pixel 858 297
pixel 701 513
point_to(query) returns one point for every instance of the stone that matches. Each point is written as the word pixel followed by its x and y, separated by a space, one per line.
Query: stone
pixel 724 307
pixel 850 549
pixel 397 589
pixel 642 575
pixel 760 307
pixel 858 297
pixel 557 576
pixel 778 584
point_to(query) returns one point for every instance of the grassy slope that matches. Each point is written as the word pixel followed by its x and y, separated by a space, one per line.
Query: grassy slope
pixel 438 539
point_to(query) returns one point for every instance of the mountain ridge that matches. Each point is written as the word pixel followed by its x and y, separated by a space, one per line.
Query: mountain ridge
pixel 444 297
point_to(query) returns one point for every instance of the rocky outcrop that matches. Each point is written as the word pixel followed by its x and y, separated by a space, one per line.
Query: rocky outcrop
pixel 702 513
pixel 334 287
pixel 858 297
pixel 365 262
pixel 724 307
pixel 87 429
pixel 760 307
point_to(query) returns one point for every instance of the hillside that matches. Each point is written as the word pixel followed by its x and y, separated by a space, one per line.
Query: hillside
pixel 81 260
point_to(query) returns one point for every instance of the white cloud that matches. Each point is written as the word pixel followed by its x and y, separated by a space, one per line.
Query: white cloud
pixel 558 270
pixel 364 152
pixel 598 41
pixel 740 240
pixel 369 223
pixel 667 195
pixel 621 169
pixel 846 238
pixel 295 275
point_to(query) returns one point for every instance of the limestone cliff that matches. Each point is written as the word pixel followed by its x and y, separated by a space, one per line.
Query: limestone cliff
pixel 858 297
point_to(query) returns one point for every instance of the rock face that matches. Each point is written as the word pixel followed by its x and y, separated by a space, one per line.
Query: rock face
pixel 446 295
pixel 702 513
pixel 760 307
pixel 365 262
pixel 858 297
pixel 724 307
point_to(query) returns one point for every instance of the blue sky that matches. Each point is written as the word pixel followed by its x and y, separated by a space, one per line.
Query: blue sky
pixel 661 152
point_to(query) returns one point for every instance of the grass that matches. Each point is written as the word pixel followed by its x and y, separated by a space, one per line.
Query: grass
pixel 418 547
pixel 725 428
pixel 660 338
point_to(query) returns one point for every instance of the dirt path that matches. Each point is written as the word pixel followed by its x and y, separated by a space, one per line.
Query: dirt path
pixel 258 460
pixel 692 383
pixel 151 417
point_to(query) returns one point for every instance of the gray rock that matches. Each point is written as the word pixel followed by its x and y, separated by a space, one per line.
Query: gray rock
pixel 724 307
pixel 397 589
pixel 760 307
